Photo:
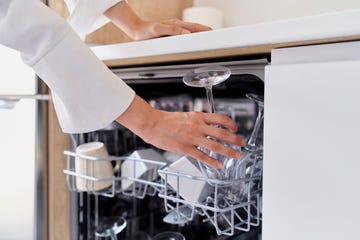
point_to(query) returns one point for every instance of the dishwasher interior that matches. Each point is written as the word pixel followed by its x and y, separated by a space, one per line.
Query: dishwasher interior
pixel 152 205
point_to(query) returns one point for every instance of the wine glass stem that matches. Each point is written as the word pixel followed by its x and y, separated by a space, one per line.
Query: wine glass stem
pixel 210 98
pixel 113 236
pixel 251 143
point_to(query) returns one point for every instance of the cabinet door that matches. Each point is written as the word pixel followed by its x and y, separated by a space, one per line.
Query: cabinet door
pixel 312 144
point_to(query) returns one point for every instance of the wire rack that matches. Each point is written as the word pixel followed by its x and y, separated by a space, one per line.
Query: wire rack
pixel 139 188
pixel 226 214
pixel 222 210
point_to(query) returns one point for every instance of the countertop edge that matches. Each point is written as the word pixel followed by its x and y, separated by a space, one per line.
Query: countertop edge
pixel 244 40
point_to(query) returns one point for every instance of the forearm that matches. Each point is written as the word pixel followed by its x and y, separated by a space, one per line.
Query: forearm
pixel 87 95
pixel 122 15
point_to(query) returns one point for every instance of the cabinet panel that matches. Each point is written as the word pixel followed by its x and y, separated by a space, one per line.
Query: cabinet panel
pixel 311 160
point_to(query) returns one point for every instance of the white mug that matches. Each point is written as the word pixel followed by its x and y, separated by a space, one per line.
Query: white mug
pixel 208 16
pixel 139 169
pixel 189 189
pixel 93 168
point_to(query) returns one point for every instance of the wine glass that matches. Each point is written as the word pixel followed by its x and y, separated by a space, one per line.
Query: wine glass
pixel 251 156
pixel 251 145
pixel 207 77
pixel 110 227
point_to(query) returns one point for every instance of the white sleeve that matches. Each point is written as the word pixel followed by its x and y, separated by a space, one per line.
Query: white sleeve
pixel 87 95
pixel 87 15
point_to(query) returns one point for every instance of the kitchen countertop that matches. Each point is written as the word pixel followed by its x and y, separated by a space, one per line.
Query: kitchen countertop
pixel 236 41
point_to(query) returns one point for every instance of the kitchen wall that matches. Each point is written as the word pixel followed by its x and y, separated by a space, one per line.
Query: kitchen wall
pixel 239 12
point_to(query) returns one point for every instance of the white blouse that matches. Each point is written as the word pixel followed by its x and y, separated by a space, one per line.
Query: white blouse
pixel 87 95
pixel 87 15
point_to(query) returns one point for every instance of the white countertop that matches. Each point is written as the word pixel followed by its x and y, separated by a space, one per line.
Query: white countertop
pixel 318 28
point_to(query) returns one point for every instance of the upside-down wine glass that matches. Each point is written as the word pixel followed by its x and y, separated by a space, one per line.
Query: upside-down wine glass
pixel 207 77
pixel 111 227
pixel 251 153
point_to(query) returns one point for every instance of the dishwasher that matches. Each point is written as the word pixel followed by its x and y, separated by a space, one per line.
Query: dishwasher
pixel 152 205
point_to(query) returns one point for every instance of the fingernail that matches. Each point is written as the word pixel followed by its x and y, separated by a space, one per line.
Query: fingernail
pixel 237 155
pixel 220 165
pixel 184 31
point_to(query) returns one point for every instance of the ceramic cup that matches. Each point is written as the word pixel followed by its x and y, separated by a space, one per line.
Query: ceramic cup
pixel 93 168
pixel 189 189
pixel 139 169
pixel 208 16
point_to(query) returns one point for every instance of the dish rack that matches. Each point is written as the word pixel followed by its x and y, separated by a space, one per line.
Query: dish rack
pixel 139 187
pixel 226 215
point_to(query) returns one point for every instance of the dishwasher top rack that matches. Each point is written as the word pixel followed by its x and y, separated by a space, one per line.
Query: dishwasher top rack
pixel 225 215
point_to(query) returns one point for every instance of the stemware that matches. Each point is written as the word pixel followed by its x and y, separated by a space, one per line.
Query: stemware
pixel 207 77
pixel 233 169
pixel 111 227
pixel 251 143
pixel 250 163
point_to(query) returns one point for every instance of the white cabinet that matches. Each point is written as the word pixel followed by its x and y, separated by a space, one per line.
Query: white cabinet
pixel 312 143
pixel 17 150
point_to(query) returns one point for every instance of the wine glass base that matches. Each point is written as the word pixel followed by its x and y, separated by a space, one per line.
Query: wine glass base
pixel 179 217
pixel 110 227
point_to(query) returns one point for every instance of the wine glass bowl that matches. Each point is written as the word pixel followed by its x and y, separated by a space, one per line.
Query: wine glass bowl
pixel 206 76
pixel 259 99
pixel 251 156
pixel 251 144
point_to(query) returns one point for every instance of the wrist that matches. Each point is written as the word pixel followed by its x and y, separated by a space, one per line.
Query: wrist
pixel 139 118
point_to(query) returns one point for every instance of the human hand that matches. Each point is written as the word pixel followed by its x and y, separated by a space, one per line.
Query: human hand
pixel 126 19
pixel 171 27
pixel 183 132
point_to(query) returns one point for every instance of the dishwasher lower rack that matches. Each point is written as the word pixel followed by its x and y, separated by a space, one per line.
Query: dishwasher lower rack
pixel 226 215
pixel 130 185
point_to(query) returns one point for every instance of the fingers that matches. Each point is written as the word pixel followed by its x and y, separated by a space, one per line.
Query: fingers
pixel 208 126
pixel 192 27
pixel 224 135
pixel 219 136
pixel 220 119
pixel 203 157
pixel 220 147
pixel 177 27
pixel 198 135
pixel 169 30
